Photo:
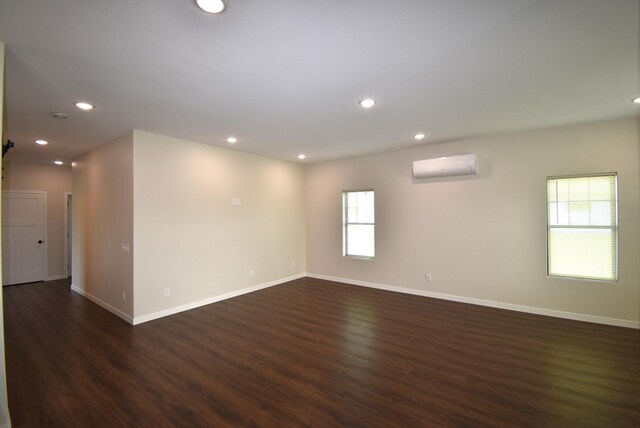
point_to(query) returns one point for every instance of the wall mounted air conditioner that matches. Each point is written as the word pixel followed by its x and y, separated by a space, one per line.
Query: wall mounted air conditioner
pixel 446 166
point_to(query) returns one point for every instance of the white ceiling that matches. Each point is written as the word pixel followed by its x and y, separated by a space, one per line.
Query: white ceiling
pixel 285 76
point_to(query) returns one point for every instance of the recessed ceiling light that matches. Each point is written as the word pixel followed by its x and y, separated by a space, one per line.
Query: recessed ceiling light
pixel 58 162
pixel 636 100
pixel 84 106
pixel 302 156
pixel 367 102
pixel 232 140
pixel 211 6
pixel 419 136
pixel 42 142
pixel 59 115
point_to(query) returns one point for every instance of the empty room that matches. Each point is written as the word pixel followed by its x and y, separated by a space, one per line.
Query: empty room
pixel 234 213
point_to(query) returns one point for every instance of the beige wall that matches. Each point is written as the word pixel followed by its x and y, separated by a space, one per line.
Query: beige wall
pixel 5 421
pixel 102 222
pixel 55 180
pixel 481 237
pixel 191 239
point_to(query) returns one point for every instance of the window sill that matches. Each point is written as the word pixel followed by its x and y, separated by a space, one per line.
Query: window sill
pixel 575 278
pixel 359 257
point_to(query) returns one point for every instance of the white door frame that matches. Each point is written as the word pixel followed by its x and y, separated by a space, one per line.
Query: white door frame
pixel 67 209
pixel 44 225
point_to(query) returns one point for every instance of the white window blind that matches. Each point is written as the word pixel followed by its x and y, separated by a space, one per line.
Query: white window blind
pixel 359 223
pixel 582 231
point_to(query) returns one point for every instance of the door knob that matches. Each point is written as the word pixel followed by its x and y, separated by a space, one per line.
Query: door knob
pixel 40 241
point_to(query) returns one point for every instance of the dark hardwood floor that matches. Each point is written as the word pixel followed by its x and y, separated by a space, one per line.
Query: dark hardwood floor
pixel 313 353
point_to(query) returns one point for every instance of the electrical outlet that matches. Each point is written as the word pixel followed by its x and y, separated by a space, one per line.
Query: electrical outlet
pixel 293 264
pixel 125 248
pixel 167 292
pixel 236 202
pixel 251 274
pixel 427 277
pixel 124 295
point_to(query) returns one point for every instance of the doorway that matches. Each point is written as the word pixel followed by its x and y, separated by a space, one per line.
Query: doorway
pixel 68 231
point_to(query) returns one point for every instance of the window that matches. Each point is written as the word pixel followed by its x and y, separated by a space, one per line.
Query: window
pixel 359 224
pixel 582 231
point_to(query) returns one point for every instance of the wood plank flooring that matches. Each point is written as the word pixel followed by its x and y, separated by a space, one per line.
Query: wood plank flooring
pixel 313 353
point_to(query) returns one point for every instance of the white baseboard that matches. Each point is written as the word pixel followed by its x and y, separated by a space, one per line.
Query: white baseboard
pixel 214 299
pixel 509 306
pixel 105 305
pixel 54 278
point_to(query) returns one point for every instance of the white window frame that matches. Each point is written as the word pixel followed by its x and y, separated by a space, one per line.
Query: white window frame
pixel 346 224
pixel 617 228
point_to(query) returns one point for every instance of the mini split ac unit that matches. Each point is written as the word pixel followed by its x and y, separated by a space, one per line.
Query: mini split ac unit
pixel 446 166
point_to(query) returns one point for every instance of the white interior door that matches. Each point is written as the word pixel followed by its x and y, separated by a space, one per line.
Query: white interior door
pixel 23 245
